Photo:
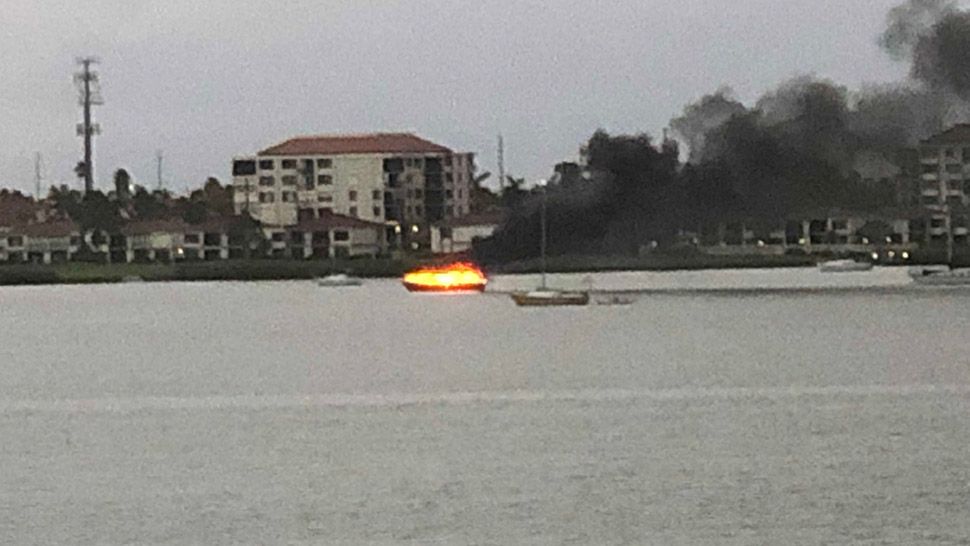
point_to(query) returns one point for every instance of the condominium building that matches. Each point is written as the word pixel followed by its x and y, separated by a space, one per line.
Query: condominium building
pixel 397 179
pixel 945 183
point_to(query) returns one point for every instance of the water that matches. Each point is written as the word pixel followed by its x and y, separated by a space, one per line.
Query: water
pixel 288 413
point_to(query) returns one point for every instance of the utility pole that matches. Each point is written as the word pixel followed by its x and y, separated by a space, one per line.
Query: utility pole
pixel 158 168
pixel 89 94
pixel 37 176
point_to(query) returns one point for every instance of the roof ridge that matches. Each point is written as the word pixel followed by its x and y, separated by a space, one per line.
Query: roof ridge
pixel 355 135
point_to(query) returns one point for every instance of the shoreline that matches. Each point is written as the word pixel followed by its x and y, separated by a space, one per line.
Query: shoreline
pixel 272 270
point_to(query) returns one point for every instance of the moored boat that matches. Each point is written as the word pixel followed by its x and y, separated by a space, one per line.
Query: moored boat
pixel 546 298
pixel 934 276
pixel 844 266
pixel 337 280
pixel 614 299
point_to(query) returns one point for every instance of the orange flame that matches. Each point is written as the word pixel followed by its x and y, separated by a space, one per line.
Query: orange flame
pixel 452 277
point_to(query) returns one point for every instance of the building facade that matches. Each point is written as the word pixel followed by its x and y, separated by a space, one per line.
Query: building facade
pixel 399 180
pixel 944 184
pixel 459 234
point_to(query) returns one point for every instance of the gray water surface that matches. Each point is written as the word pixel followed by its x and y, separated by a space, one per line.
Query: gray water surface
pixel 272 413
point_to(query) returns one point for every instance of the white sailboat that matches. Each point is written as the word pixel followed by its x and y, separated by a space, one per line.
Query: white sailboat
pixel 543 296
pixel 336 280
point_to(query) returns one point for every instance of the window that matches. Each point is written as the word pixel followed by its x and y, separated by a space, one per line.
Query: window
pixel 289 197
pixel 325 198
pixel 418 194
pixel 323 211
pixel 325 179
pixel 324 163
pixel 352 195
pixel 267 197
pixel 266 164
pixel 353 211
pixel 929 169
pixel 449 177
pixel 341 235
pixel 288 163
pixel 75 240
pixel 461 194
pixel 449 194
pixel 949 152
pixel 15 241
pixel 191 238
pixel 279 237
pixel 954 168
pixel 212 239
pixel 296 237
pixel 375 195
pixel 966 155
pixel 243 167
pixel 266 181
pixel 288 180
pixel 377 212
pixel 418 210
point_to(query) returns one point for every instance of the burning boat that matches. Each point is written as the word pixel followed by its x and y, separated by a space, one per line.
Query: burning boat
pixel 457 277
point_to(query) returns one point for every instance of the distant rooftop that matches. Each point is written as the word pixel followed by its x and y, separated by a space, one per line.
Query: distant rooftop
pixel 958 134
pixel 374 143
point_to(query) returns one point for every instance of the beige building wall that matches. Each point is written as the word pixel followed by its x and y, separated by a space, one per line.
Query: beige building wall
pixel 349 184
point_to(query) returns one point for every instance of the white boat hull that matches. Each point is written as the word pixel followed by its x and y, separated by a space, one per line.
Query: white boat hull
pixel 844 266
pixel 334 281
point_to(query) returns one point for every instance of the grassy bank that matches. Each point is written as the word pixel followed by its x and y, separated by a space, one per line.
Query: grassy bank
pixel 259 270
pixel 236 270
pixel 653 262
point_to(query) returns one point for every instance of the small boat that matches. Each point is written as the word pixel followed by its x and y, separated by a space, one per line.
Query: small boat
pixel 937 276
pixel 614 299
pixel 546 298
pixel 844 266
pixel 337 280
pixel 457 277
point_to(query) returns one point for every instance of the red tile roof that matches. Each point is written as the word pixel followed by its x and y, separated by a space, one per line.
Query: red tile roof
pixel 147 227
pixel 60 228
pixel 329 220
pixel 375 143
pixel 958 134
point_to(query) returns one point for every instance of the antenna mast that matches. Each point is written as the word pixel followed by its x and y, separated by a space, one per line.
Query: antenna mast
pixel 37 176
pixel 501 163
pixel 89 94
pixel 158 168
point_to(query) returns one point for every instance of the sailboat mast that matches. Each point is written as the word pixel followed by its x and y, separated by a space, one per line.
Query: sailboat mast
pixel 542 241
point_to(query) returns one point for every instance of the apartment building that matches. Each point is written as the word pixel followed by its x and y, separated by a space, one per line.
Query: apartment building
pixel 52 242
pixel 459 234
pixel 944 184
pixel 396 179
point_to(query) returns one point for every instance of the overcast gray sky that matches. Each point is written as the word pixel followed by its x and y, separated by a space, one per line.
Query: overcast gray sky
pixel 204 81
